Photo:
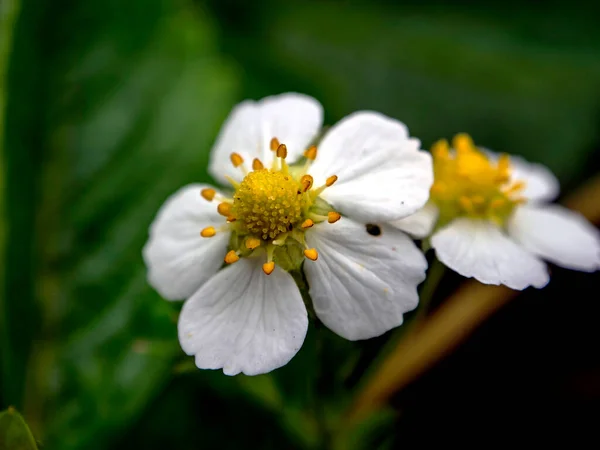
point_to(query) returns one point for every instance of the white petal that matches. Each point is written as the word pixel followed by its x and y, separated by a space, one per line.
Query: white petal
pixel 479 249
pixel 381 174
pixel 557 234
pixel 294 119
pixel 540 182
pixel 420 224
pixel 242 320
pixel 362 284
pixel 178 259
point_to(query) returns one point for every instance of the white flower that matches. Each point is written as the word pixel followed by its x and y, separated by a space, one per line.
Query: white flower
pixel 493 223
pixel 362 275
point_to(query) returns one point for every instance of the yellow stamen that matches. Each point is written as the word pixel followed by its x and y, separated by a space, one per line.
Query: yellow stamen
pixel 274 144
pixel 224 209
pixel 268 267
pixel 438 187
pixel 252 243
pixel 231 257
pixel 231 219
pixel 441 149
pixel 257 164
pixel 311 254
pixel 306 182
pixel 307 224
pixel 332 179
pixel 333 217
pixel 497 203
pixel 282 151
pixel 311 153
pixel 478 199
pixel 208 194
pixel 463 143
pixel 515 187
pixel 208 232
pixel 236 159
pixel 466 203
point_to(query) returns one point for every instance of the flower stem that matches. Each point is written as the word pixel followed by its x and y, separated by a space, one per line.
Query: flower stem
pixel 434 277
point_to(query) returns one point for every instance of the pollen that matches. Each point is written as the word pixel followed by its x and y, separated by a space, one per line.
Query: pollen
pixel 268 203
pixel 311 254
pixel 208 232
pixel 468 183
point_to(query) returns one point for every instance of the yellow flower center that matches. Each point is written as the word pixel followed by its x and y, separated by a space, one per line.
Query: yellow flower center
pixel 271 209
pixel 467 183
pixel 268 203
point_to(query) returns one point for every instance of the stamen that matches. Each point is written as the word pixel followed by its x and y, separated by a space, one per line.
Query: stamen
pixel 274 144
pixel 497 203
pixel 311 153
pixel 282 151
pixel 438 187
pixel 224 209
pixel 231 257
pixel 307 224
pixel 465 203
pixel 311 254
pixel 332 179
pixel 208 232
pixel 440 149
pixel 236 159
pixel 478 199
pixel 252 243
pixel 515 187
pixel 268 267
pixel 333 217
pixel 234 183
pixel 306 181
pixel 208 194
pixel 463 143
pixel 257 164
pixel 231 219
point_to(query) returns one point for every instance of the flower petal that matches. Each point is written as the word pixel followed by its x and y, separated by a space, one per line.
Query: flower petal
pixel 362 284
pixel 540 182
pixel 381 174
pixel 479 249
pixel 557 234
pixel 242 320
pixel 294 119
pixel 420 224
pixel 179 260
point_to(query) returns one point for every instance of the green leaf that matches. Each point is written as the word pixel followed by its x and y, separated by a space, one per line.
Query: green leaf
pixel 109 114
pixel 14 432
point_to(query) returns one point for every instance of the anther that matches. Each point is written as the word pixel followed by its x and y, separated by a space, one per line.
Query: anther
pixel 231 257
pixel 332 179
pixel 268 267
pixel 333 217
pixel 208 232
pixel 516 187
pixel 438 187
pixel 311 254
pixel 440 149
pixel 497 203
pixel 306 181
pixel 307 224
pixel 252 243
pixel 311 153
pixel 257 164
pixel 236 159
pixel 463 143
pixel 224 209
pixel 274 144
pixel 231 219
pixel 208 194
pixel 282 151
pixel 466 203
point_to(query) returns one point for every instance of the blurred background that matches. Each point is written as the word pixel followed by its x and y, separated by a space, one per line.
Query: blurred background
pixel 108 106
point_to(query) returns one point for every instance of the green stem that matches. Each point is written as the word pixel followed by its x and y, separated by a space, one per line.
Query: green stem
pixel 434 277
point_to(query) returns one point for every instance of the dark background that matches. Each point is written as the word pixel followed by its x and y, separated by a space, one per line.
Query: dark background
pixel 112 105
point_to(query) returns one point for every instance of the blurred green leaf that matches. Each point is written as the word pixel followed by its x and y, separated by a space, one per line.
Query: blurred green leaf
pixel 108 120
pixel 14 433
pixel 10 382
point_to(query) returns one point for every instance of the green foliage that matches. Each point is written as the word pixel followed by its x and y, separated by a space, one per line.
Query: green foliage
pixel 14 433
